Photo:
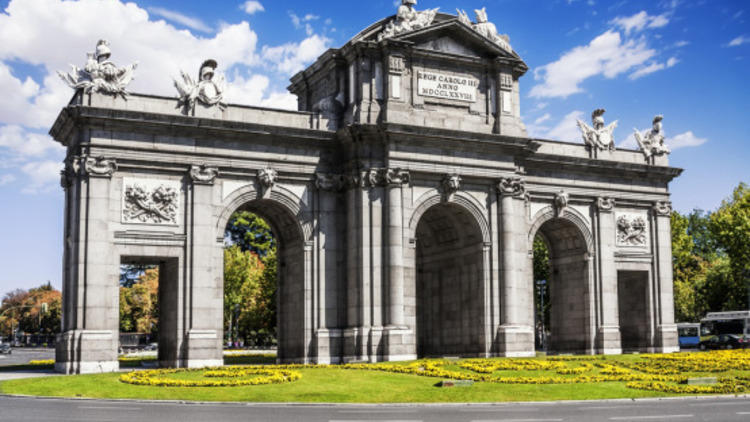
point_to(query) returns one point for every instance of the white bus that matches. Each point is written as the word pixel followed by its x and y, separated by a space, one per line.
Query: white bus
pixel 734 322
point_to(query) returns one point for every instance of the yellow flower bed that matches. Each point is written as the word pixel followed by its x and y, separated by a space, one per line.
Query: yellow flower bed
pixel 45 362
pixel 665 373
pixel 224 377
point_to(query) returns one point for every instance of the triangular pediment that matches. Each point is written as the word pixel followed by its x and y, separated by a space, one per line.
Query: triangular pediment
pixel 454 37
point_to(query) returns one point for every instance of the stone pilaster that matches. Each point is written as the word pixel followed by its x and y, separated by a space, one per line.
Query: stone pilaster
pixel 89 341
pixel 666 330
pixel 203 336
pixel 608 330
pixel 515 336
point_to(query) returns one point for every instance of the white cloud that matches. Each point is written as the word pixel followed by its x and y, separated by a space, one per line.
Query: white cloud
pixel 653 67
pixel 251 7
pixel 22 144
pixel 7 179
pixel 567 129
pixel 43 176
pixel 177 17
pixel 542 119
pixel 639 22
pixel 39 33
pixel 683 140
pixel 291 58
pixel 681 43
pixel 297 21
pixel 606 55
pixel 739 41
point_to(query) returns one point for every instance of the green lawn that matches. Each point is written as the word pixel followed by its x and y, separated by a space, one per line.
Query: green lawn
pixel 334 384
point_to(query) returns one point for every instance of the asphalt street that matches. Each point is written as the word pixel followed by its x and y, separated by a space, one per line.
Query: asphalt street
pixel 22 356
pixel 719 409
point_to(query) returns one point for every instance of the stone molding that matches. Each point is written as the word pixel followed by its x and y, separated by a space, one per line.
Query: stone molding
pixel 99 166
pixel 396 177
pixel 71 170
pixel 512 186
pixel 662 209
pixel 605 204
pixel 203 174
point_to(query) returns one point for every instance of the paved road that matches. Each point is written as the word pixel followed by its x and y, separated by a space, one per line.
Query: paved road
pixel 23 355
pixel 706 409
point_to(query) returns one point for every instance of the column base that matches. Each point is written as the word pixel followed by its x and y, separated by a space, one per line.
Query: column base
pixel 608 341
pixel 400 344
pixel 328 345
pixel 667 340
pixel 203 349
pixel 515 341
pixel 355 340
pixel 86 352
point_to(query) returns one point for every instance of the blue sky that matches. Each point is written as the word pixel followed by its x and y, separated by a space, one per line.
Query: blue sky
pixel 686 59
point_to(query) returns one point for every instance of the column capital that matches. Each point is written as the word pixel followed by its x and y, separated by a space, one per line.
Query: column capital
pixel 397 177
pixel 605 204
pixel 662 208
pixel 203 174
pixel 511 186
pixel 99 166
pixel 329 181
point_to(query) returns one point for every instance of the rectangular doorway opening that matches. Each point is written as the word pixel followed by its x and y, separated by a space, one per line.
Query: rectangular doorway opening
pixel 632 294
pixel 148 309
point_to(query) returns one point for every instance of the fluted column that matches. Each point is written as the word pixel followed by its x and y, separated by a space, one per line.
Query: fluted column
pixel 608 331
pixel 395 179
pixel 515 334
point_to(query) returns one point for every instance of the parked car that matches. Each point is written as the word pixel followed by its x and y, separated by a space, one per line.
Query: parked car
pixel 724 341
pixel 5 349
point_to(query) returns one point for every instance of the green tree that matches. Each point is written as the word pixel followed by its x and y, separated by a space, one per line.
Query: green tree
pixel 541 273
pixel 139 304
pixel 22 310
pixel 251 233
pixel 730 227
pixel 242 273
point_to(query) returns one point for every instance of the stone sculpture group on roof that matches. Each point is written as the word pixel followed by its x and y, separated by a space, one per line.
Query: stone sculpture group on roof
pixel 100 75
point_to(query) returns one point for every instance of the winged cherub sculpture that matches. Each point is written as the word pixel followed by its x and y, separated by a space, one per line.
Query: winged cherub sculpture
pixel 100 74
pixel 209 89
pixel 652 142
pixel 600 137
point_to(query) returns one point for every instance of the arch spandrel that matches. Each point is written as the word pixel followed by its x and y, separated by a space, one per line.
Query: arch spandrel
pixel 470 204
pixel 279 195
pixel 571 215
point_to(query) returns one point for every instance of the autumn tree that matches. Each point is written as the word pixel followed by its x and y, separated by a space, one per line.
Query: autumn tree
pixel 139 304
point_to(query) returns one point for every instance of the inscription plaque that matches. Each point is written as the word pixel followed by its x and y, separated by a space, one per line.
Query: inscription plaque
pixel 447 87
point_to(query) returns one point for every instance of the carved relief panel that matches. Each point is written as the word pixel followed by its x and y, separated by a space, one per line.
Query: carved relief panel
pixel 147 201
pixel 632 230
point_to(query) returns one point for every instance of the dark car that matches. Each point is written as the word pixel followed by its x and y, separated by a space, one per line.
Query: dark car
pixel 724 341
pixel 5 349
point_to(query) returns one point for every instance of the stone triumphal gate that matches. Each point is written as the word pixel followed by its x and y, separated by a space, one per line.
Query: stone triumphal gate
pixel 405 197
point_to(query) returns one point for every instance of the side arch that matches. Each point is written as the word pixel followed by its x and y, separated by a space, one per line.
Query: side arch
pixel 465 201
pixel 282 197
pixel 571 215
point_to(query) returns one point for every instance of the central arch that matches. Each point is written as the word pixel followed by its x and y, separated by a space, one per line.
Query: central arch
pixel 450 280
pixel 285 214
pixel 569 289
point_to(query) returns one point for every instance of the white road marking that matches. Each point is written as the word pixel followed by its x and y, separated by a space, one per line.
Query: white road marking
pixel 499 410
pixel 726 403
pixel 517 420
pixel 109 408
pixel 657 417
pixel 743 413
pixel 604 407
pixel 372 420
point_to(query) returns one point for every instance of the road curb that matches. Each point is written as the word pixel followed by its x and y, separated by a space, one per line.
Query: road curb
pixel 376 405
